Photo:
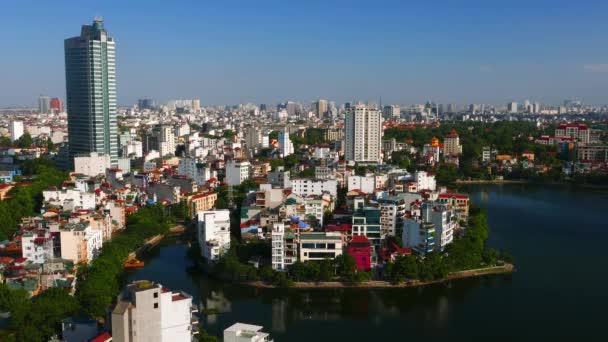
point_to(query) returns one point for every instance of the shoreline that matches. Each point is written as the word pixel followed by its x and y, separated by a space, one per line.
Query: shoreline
pixel 532 182
pixel 483 181
pixel 381 284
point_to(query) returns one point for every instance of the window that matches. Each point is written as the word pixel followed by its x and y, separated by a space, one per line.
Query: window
pixel 155 294
pixel 156 305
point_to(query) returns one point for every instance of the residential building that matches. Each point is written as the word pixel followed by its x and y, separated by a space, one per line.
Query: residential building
pixel 37 246
pixel 419 235
pixel 56 105
pixel 79 243
pixel 362 183
pixel 460 203
pixel 320 246
pixel 149 312
pixel 90 68
pixel 241 332
pixel 592 152
pixel 284 247
pixel 16 130
pixel 425 181
pixel 366 222
pixel 306 187
pixel 195 169
pixel 214 233
pixel 201 202
pixel 445 222
pixel 451 144
pixel 279 177
pixel 392 212
pixel 363 135
pixel 579 132
pixel 360 248
pixel 166 140
pixel 285 144
pixel 44 104
pixel 391 112
pixel 269 197
pixel 237 171
pixel 92 164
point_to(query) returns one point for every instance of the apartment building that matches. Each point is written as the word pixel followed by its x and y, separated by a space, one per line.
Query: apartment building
pixel 237 171
pixel 284 247
pixel 79 243
pixel 149 312
pixel 241 332
pixel 363 135
pixel 320 246
pixel 306 187
pixel 214 233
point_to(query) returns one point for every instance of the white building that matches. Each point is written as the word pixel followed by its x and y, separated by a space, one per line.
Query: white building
pixel 320 246
pixel 306 187
pixel 425 181
pixel 69 199
pixel 363 135
pixel 237 171
pixel 92 164
pixel 285 144
pixel 284 247
pixel 133 149
pixel 37 247
pixel 432 231
pixel 16 129
pixel 366 184
pixel 148 312
pixel 214 233
pixel 166 141
pixel 444 220
pixel 195 169
pixel 241 332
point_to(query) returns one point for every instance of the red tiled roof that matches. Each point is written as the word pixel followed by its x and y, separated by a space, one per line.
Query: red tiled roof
pixel 102 338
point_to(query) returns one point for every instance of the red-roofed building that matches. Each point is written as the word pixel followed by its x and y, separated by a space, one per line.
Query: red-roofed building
pixel 360 248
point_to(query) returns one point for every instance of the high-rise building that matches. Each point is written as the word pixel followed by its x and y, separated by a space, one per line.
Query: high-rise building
pixel 363 135
pixel 90 72
pixel 56 105
pixel 145 103
pixel 16 129
pixel 451 144
pixel 392 111
pixel 166 140
pixel 44 104
pixel 512 107
pixel 285 144
pixel 321 108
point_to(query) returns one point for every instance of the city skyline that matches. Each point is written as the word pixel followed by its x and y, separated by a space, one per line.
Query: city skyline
pixel 273 52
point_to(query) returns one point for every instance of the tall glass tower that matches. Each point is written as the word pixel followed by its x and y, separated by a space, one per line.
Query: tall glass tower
pixel 90 74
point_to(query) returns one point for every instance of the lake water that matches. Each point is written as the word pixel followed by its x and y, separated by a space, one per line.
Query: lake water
pixel 557 235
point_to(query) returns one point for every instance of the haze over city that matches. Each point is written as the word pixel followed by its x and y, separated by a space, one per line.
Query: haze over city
pixel 270 51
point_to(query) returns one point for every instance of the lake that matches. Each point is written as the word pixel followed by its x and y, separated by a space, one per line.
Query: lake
pixel 558 237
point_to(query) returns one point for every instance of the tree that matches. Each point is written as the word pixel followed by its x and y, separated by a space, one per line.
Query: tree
pixel 25 141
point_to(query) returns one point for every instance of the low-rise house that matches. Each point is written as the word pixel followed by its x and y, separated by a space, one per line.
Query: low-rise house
pixel 361 250
pixel 320 246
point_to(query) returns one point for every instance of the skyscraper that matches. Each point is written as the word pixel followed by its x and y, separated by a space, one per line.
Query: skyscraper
pixel 321 108
pixel 44 104
pixel 363 135
pixel 90 73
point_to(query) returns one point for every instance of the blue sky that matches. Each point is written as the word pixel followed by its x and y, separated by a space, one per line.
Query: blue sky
pixel 268 51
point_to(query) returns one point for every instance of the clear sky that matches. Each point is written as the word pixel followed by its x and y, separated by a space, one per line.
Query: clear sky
pixel 459 51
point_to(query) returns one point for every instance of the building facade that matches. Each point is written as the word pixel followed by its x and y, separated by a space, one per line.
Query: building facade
pixel 363 135
pixel 90 70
